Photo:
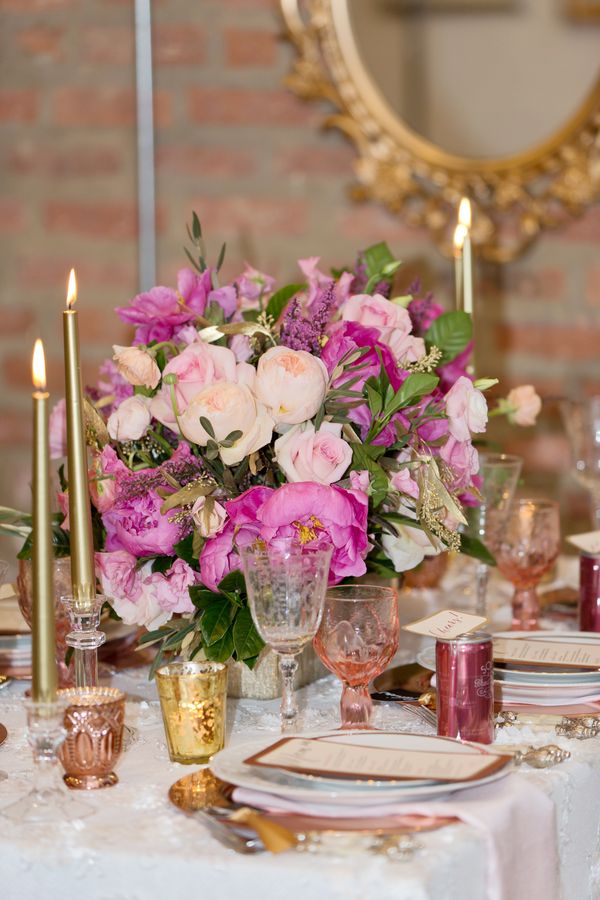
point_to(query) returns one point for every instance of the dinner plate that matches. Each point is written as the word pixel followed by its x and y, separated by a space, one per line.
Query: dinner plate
pixel 229 765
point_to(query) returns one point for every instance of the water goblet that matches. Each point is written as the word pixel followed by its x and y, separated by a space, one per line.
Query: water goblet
pixel 286 584
pixel 356 640
pixel 581 420
pixel 525 550
pixel 499 473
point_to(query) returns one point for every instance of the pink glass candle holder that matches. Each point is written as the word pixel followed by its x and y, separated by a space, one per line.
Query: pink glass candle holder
pixel 525 550
pixel 356 640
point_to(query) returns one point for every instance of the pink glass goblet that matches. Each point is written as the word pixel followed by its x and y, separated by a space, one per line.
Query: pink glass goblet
pixel 525 549
pixel 356 640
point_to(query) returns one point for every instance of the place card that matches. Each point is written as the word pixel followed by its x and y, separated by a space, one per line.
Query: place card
pixel 589 541
pixel 448 623
pixel 321 757
pixel 548 653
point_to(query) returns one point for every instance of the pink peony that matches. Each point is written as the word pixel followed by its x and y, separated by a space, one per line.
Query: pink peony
pixel 105 474
pixel 138 526
pixel 316 513
pixel 58 430
pixel 304 454
pixel 130 589
pixel 525 405
pixel 171 589
pixel 466 409
pixel 403 482
pixel 156 314
pixel 463 459
pixel 360 480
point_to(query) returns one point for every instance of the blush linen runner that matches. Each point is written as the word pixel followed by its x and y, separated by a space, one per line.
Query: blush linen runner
pixel 516 819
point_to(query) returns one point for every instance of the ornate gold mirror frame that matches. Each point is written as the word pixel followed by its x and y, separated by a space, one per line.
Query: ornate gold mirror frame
pixel 513 197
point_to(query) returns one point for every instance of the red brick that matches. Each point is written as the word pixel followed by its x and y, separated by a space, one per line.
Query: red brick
pixel 250 47
pixel 15 427
pixel 543 452
pixel 592 287
pixel 15 320
pixel 179 45
pixel 31 6
pixel 585 229
pixel 35 159
pixel 105 107
pixel 113 221
pixel 317 160
pixel 371 223
pixel 207 162
pixel 12 216
pixel 102 327
pixel 17 370
pixel 236 106
pixel 52 272
pixel 113 44
pixel 547 284
pixel 553 342
pixel 43 42
pixel 229 216
pixel 18 106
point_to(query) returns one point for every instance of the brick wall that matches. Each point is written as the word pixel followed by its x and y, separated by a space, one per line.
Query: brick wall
pixel 235 146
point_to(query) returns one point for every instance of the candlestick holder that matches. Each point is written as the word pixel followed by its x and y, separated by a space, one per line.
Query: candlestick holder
pixel 48 800
pixel 85 638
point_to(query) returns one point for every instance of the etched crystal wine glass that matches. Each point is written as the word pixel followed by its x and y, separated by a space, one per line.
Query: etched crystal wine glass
pixel 581 420
pixel 356 640
pixel 286 584
pixel 499 473
pixel 525 550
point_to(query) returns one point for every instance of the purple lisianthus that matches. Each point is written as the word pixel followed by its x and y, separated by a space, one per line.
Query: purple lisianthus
pixel 138 526
pixel 156 314
pixel 252 285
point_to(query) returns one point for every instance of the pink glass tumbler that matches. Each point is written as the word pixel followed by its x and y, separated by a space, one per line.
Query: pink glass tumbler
pixel 464 684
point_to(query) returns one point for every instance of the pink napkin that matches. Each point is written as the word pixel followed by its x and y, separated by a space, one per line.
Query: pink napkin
pixel 515 817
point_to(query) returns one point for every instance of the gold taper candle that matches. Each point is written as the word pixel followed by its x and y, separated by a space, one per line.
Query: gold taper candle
pixel 82 547
pixel 464 218
pixel 43 630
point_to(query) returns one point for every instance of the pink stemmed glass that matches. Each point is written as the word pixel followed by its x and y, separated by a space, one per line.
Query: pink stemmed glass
pixel 356 640
pixel 525 549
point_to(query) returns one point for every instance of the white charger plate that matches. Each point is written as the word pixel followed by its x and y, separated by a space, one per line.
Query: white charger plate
pixel 229 765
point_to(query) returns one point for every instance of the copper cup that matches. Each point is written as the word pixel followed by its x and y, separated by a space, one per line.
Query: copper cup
pixel 94 719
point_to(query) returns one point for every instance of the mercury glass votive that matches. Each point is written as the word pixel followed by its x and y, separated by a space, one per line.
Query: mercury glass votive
pixel 94 719
pixel 192 700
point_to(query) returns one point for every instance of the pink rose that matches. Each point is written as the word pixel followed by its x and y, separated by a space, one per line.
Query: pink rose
pixel 316 513
pixel 525 405
pixel 466 409
pixel 405 347
pixel 63 504
pixel 463 459
pixel 241 347
pixel 171 589
pixel 229 408
pixel 360 480
pixel 403 482
pixel 104 475
pixel 138 526
pixel 375 311
pixel 197 367
pixel 291 384
pixel 304 454
pixel 137 366
pixel 209 516
pixel 119 575
pixel 58 430
pixel 130 420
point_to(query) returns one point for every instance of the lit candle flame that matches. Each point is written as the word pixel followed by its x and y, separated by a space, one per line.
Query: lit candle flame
pixel 464 212
pixel 460 234
pixel 38 366
pixel 71 290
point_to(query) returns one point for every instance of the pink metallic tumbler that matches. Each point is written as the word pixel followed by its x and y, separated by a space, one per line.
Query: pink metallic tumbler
pixel 589 592
pixel 464 684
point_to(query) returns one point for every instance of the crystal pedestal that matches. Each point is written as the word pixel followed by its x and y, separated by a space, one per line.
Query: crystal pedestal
pixel 85 638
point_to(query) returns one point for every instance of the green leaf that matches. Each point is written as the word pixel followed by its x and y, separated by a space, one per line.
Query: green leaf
pixel 248 642
pixel 196 227
pixel 281 298
pixel 377 258
pixel 450 333
pixel 416 386
pixel 221 650
pixel 378 478
pixel 156 635
pixel 215 620
pixel 251 662
pixel 202 597
pixel 250 315
pixel 192 260
pixel 375 400
pixel 473 547
pixel 221 257
pixel 185 551
pixel 161 564
pixel 233 583
pixel 207 427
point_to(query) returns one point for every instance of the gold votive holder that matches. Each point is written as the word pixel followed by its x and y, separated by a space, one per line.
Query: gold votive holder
pixel 192 700
pixel 93 719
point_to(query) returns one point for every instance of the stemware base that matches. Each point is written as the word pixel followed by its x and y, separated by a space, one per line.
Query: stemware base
pixel 90 782
pixel 526 610
pixel 50 806
pixel 356 707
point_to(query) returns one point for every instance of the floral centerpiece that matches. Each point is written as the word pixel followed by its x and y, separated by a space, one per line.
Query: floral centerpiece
pixel 330 410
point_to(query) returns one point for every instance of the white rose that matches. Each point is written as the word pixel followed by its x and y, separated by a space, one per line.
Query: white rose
pixel 136 366
pixel 130 419
pixel 408 547
pixel 228 407
pixel 308 455
pixel 209 516
pixel 291 384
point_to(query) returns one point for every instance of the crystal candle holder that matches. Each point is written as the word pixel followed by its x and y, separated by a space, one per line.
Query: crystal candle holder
pixel 47 801
pixel 85 638
pixel 192 700
pixel 94 719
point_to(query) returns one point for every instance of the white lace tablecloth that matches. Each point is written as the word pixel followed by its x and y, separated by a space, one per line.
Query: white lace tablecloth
pixel 138 847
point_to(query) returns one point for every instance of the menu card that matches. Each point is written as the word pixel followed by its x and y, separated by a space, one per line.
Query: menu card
pixel 322 757
pixel 589 541
pixel 548 653
pixel 448 623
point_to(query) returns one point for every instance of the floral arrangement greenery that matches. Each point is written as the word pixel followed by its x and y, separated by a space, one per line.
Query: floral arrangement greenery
pixel 330 410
